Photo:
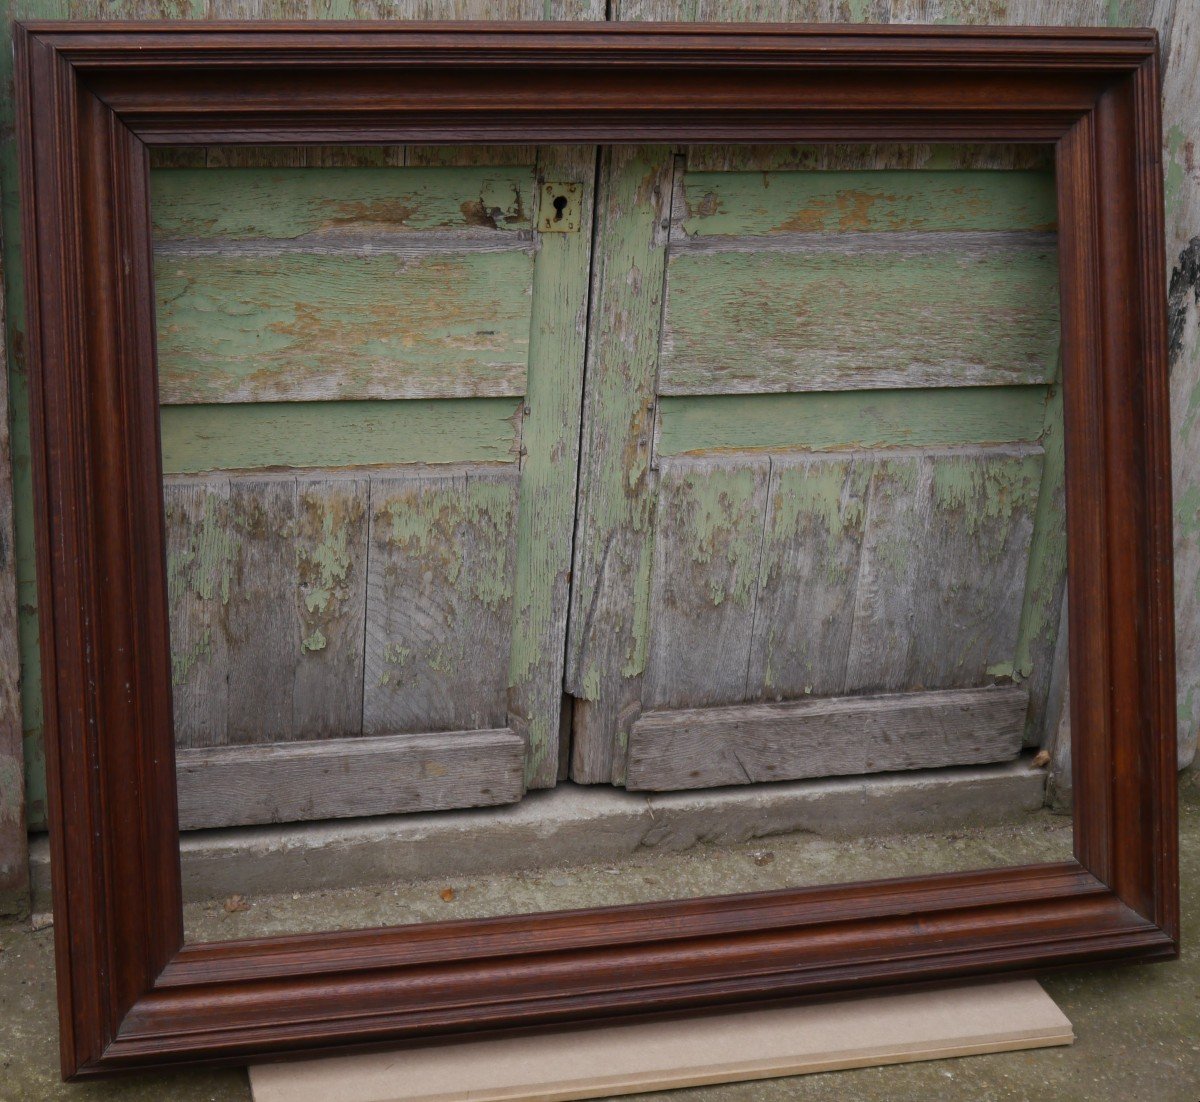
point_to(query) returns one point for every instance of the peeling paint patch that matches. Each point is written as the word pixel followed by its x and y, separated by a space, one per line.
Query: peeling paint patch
pixel 316 641
pixel 1185 283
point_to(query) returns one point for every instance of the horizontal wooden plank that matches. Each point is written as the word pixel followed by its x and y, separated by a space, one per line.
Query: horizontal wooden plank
pixel 303 326
pixel 297 202
pixel 825 420
pixel 850 202
pixel 339 434
pixel 750 743
pixel 875 155
pixel 926 312
pixel 297 781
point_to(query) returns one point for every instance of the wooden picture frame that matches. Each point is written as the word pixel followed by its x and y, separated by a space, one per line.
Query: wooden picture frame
pixel 93 97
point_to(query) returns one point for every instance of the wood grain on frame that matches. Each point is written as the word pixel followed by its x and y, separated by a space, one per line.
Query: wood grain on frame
pixel 92 97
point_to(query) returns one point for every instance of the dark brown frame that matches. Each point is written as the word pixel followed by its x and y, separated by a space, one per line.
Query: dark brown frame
pixel 93 97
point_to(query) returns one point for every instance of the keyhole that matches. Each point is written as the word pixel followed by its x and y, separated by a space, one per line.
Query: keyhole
pixel 560 204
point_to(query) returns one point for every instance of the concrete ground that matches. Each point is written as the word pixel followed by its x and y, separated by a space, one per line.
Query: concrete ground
pixel 1138 1028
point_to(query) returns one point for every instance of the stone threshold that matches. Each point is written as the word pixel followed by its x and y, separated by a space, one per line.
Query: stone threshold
pixel 577 824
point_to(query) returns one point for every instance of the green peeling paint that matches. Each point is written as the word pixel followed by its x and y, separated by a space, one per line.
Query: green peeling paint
pixel 1175 174
pixel 985 492
pixel 822 421
pixel 316 326
pixel 338 434
pixel 788 321
pixel 445 528
pixel 316 641
pixel 286 203
pixel 752 203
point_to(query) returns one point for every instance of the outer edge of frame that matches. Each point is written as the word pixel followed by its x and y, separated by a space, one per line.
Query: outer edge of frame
pixel 308 993
pixel 1077 919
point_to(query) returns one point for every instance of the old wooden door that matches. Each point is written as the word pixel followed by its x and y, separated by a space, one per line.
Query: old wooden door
pixel 370 370
pixel 818 494
pixel 820 498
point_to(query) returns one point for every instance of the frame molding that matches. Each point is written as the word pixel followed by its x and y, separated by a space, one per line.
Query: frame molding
pixel 92 97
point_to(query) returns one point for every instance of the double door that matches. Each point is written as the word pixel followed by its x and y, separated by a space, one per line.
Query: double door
pixel 489 469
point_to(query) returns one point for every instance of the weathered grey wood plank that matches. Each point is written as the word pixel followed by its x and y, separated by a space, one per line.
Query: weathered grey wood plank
pixel 14 864
pixel 1046 577
pixel 816 519
pixel 707 546
pixel 261 615
pixel 1181 91
pixel 202 562
pixel 757 320
pixel 972 566
pixel 943 568
pixel 243 785
pixel 549 468
pixel 607 639
pixel 885 589
pixel 440 580
pixel 746 744
pixel 331 597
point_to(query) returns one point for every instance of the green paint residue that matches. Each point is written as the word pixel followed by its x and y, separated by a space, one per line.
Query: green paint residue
pixel 719 526
pixel 337 434
pixel 314 642
pixel 785 321
pixel 286 203
pixel 1176 168
pixel 324 566
pixel 881 201
pixel 821 421
pixel 262 328
pixel 986 492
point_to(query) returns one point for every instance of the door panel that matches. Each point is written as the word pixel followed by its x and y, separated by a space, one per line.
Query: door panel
pixel 840 523
pixel 371 381
pixel 607 638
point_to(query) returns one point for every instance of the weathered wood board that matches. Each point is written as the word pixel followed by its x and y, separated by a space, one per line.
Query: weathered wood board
pixel 809 576
pixel 440 571
pixel 302 326
pixel 259 435
pixel 287 589
pixel 14 864
pixel 606 644
pixel 1178 25
pixel 808 311
pixel 342 206
pixel 780 576
pixel 707 747
pixel 292 782
pixel 837 420
pixel 707 548
pixel 746 204
pixel 300 284
pixel 549 470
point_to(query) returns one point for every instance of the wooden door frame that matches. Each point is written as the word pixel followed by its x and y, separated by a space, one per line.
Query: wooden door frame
pixel 93 97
